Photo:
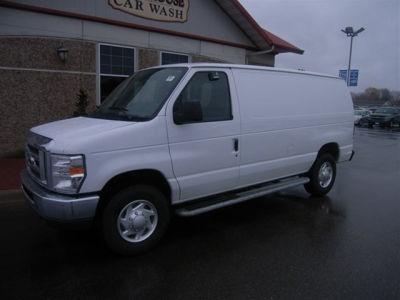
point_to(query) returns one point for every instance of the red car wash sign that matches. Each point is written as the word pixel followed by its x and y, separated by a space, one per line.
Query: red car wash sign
pixel 160 10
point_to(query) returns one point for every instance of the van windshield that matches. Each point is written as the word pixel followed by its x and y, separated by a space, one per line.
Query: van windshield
pixel 141 96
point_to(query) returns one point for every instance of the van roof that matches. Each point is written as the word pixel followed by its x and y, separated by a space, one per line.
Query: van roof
pixel 249 67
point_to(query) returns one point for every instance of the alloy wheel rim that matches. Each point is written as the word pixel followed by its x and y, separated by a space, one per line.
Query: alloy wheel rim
pixel 137 221
pixel 325 175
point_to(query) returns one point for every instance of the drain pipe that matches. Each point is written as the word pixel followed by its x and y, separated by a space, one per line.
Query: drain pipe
pixel 262 52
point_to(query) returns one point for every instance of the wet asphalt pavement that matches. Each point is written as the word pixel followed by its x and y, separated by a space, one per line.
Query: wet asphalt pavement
pixel 285 246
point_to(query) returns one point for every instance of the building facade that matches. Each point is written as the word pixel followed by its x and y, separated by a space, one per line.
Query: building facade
pixel 52 50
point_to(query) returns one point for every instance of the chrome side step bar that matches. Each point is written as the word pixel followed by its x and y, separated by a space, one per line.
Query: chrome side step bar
pixel 243 196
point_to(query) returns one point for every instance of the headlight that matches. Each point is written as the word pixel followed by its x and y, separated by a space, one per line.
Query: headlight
pixel 67 172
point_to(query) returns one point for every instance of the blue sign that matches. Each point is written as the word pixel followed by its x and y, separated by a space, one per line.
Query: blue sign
pixel 353 76
pixel 343 74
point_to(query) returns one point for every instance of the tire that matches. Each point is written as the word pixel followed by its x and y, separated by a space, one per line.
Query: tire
pixel 317 187
pixel 135 219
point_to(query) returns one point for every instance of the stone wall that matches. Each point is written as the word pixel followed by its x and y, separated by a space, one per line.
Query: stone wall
pixel 36 87
pixel 148 58
pixel 205 59
pixel 41 53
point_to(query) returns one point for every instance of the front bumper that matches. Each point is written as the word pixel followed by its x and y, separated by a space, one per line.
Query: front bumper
pixel 56 207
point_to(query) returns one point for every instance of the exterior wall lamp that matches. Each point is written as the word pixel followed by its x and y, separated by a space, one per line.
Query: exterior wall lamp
pixel 62 53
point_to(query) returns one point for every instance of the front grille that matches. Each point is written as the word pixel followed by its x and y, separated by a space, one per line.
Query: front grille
pixel 35 163
pixel 35 156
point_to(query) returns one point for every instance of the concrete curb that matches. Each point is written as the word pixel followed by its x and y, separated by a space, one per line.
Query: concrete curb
pixel 5 193
pixel 10 197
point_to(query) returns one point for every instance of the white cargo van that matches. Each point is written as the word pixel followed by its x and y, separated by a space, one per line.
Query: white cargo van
pixel 188 139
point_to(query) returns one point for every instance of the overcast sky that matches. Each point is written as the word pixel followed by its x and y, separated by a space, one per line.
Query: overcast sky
pixel 314 25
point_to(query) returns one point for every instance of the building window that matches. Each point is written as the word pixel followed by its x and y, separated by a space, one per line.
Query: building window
pixel 116 64
pixel 173 58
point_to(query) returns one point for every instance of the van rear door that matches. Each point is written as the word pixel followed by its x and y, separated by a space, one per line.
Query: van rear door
pixel 204 149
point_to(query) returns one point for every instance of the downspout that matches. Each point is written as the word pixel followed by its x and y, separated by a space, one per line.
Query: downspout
pixel 259 53
pixel 263 51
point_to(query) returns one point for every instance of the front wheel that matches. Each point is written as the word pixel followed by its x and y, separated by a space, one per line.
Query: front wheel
pixel 322 175
pixel 135 219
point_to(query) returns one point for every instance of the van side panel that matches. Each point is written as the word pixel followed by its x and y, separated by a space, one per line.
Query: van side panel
pixel 286 119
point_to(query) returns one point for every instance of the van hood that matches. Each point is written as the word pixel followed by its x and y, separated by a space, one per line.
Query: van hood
pixel 72 130
pixel 75 127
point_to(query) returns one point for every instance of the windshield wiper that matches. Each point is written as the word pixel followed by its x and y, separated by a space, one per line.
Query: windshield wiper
pixel 122 115
pixel 119 108
pixel 137 118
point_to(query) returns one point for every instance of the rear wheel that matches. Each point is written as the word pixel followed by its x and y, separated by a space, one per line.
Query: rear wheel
pixel 135 219
pixel 322 175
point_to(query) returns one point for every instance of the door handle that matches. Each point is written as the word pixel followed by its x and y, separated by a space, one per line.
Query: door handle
pixel 236 144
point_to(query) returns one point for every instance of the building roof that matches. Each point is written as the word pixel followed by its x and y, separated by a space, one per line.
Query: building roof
pixel 281 44
pixel 262 38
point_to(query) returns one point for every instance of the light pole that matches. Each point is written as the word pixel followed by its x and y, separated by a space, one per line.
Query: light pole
pixel 349 31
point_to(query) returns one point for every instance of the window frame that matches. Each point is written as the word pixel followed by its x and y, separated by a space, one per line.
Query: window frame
pixel 188 82
pixel 175 53
pixel 98 67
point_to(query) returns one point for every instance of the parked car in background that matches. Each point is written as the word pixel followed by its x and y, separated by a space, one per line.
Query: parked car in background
pixel 360 113
pixel 363 122
pixel 373 109
pixel 383 117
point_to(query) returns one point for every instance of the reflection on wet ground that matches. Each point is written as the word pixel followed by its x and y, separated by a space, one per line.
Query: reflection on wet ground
pixel 287 245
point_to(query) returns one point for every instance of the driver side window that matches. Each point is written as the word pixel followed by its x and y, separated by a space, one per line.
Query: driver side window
pixel 211 91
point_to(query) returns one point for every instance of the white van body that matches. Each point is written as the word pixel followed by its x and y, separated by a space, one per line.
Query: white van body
pixel 280 121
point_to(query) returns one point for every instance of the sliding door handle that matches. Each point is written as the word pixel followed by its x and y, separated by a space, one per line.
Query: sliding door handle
pixel 236 144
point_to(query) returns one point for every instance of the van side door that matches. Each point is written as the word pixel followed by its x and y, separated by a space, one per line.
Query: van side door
pixel 203 129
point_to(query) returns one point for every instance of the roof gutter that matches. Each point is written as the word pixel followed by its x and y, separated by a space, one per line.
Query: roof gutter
pixel 262 52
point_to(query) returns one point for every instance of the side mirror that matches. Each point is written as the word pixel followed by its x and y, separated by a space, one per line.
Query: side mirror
pixel 213 76
pixel 187 112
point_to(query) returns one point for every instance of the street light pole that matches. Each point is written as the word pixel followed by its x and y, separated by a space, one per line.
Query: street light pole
pixel 349 67
pixel 349 31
